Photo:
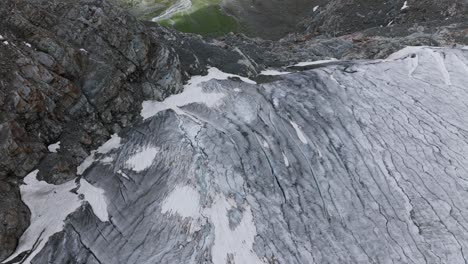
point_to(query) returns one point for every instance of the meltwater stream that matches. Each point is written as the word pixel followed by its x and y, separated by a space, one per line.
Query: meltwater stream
pixel 341 164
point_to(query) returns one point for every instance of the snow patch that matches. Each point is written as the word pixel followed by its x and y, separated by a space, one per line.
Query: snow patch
pixel 299 132
pixel 53 148
pixel 273 72
pixel 27 44
pixel 113 143
pixel 238 242
pixel 142 160
pixel 96 198
pixel 184 201
pixel 405 5
pixel 307 63
pixel 6 42
pixel 107 160
pixel 85 164
pixel 316 8
pixel 49 205
pixel 193 93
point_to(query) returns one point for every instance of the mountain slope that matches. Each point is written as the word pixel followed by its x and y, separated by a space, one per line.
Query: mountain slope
pixel 76 74
pixel 72 72
pixel 350 162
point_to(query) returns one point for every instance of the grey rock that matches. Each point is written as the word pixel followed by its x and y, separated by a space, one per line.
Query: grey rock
pixel 196 53
pixel 14 217
pixel 270 19
pixel 340 17
pixel 70 71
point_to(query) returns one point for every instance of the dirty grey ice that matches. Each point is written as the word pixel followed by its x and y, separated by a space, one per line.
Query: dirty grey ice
pixel 362 162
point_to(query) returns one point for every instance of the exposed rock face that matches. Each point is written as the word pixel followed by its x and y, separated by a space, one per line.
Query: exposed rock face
pixel 196 53
pixel 274 19
pixel 74 71
pixel 271 19
pixel 339 17
pixel 14 217
pixel 361 163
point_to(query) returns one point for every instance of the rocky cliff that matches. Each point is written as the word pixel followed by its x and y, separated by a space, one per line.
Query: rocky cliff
pixel 340 17
pixel 75 73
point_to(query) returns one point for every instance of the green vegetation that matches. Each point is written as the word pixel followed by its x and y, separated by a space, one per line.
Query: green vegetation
pixel 204 17
pixel 209 21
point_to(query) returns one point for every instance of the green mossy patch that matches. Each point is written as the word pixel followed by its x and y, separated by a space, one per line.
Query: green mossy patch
pixel 208 21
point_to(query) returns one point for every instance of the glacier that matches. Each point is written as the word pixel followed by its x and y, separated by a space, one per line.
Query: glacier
pixel 356 162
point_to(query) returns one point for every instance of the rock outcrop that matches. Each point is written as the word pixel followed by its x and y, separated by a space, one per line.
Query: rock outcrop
pixel 74 72
pixel 340 17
